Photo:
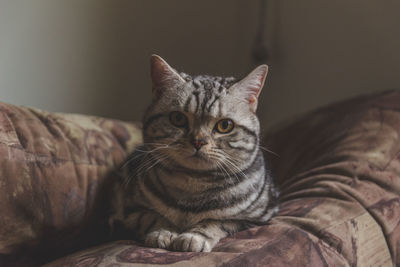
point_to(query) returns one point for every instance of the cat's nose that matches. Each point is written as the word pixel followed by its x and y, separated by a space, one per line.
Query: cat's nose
pixel 198 143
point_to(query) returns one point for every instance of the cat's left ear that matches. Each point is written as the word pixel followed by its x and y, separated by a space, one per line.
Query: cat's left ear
pixel 250 87
pixel 163 76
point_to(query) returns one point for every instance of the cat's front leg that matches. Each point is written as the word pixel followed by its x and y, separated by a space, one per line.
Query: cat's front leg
pixel 205 235
pixel 150 227
pixel 158 233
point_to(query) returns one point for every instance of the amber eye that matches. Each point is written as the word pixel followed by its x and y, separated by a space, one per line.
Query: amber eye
pixel 178 119
pixel 224 126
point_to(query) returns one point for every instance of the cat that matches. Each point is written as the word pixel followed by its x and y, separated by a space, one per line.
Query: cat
pixel 200 174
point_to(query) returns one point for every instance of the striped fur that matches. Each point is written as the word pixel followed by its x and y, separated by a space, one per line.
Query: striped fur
pixel 179 197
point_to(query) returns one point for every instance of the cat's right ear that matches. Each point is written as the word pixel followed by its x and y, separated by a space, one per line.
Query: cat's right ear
pixel 163 76
pixel 249 88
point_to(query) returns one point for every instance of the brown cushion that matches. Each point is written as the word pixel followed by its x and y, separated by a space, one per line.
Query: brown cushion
pixel 339 173
pixel 54 170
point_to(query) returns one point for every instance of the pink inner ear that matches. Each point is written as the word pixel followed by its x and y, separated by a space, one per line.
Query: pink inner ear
pixel 254 83
pixel 252 99
pixel 158 72
pixel 254 87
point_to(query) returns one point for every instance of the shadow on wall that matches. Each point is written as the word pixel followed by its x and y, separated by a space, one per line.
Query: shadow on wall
pixel 92 56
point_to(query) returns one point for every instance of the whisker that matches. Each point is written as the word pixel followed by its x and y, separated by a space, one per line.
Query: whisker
pixel 157 161
pixel 148 158
pixel 158 147
pixel 226 162
pixel 270 151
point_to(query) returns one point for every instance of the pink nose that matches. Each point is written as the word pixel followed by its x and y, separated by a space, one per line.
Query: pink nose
pixel 198 143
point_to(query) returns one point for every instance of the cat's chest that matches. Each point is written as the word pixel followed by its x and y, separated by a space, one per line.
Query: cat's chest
pixel 169 208
pixel 178 197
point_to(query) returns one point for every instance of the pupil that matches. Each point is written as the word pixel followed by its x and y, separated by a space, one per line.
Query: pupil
pixel 224 124
pixel 178 117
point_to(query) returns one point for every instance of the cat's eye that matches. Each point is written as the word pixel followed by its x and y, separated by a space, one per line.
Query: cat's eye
pixel 178 119
pixel 224 126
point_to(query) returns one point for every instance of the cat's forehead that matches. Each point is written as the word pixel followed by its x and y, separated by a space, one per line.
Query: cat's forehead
pixel 204 96
pixel 208 82
pixel 207 97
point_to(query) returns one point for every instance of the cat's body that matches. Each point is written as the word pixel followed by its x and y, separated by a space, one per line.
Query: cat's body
pixel 200 174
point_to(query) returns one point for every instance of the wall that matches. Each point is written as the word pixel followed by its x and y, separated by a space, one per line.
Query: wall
pixel 325 51
pixel 92 56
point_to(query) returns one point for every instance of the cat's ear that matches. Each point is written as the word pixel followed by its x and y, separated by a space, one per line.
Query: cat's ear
pixel 250 86
pixel 163 76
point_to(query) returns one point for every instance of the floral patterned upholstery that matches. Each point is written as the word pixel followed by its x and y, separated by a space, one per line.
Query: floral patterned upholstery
pixel 54 174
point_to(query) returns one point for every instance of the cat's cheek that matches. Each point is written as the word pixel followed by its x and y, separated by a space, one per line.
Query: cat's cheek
pixel 165 135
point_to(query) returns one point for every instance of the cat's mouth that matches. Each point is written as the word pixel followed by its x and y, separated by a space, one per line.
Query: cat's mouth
pixel 193 160
pixel 200 156
pixel 197 160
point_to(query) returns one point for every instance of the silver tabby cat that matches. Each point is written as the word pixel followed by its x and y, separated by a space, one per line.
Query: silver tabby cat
pixel 200 174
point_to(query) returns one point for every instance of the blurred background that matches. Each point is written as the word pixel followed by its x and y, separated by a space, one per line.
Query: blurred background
pixel 92 56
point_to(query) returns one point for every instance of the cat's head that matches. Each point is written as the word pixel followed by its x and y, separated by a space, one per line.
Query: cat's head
pixel 203 123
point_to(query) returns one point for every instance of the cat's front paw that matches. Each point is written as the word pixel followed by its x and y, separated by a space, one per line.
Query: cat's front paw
pixel 191 242
pixel 160 238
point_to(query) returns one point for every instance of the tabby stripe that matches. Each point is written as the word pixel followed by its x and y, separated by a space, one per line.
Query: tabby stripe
pixel 247 130
pixel 196 95
pixel 203 203
pixel 212 103
pixel 200 233
pixel 164 196
pixel 242 147
pixel 234 180
pixel 190 243
pixel 159 181
pixel 259 193
pixel 218 203
pixel 220 109
pixel 232 135
pixel 207 97
pixel 196 205
pixel 151 119
pixel 226 230
pixel 186 108
pixel 255 166
pixel 202 246
pixel 268 214
pixel 237 177
pixel 257 163
pixel 272 203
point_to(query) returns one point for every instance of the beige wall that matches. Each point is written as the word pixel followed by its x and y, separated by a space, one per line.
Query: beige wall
pixel 92 56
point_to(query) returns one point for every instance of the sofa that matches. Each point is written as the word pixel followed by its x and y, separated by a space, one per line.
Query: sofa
pixel 337 167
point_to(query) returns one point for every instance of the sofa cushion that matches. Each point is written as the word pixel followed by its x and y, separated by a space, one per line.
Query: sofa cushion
pixel 338 170
pixel 54 172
